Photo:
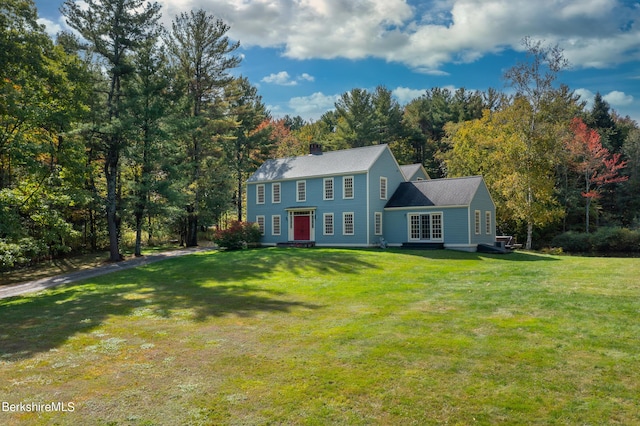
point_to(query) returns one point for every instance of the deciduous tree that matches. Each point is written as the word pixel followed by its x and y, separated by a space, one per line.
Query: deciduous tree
pixel 594 162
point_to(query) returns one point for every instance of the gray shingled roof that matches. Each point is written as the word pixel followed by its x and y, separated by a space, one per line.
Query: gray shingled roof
pixel 436 192
pixel 410 169
pixel 354 160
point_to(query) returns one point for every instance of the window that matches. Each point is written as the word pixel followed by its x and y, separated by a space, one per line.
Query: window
pixel 328 223
pixel 347 224
pixel 260 222
pixel 378 223
pixel 347 187
pixel 487 225
pixel 383 188
pixel 425 226
pixel 275 224
pixel 328 188
pixel 275 193
pixel 301 193
pixel 478 225
pixel 260 194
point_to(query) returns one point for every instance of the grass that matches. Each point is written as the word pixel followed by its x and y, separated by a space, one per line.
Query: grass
pixel 330 336
pixel 72 263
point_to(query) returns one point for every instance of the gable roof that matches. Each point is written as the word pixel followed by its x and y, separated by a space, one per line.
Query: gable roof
pixel 355 160
pixel 436 192
pixel 410 170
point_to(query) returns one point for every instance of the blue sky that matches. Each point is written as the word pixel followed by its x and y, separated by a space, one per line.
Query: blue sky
pixel 303 54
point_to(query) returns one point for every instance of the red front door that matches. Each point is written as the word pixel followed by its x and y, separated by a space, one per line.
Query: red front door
pixel 301 228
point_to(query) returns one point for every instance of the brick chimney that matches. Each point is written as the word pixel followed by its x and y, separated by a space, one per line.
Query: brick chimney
pixel 315 149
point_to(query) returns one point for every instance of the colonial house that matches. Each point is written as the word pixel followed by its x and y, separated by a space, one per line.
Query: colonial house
pixel 361 197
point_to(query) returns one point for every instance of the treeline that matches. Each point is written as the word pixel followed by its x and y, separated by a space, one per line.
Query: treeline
pixel 141 130
pixel 133 129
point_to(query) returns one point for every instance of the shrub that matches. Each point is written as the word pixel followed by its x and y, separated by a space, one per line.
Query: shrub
pixel 21 252
pixel 237 236
pixel 573 242
pixel 615 240
pixel 604 240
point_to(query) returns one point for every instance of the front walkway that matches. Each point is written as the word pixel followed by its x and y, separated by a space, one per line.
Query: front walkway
pixel 44 283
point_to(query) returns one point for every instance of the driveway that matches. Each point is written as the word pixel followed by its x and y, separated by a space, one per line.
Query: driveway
pixel 44 283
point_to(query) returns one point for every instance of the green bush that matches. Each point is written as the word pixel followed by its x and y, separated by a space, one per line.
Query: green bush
pixel 604 240
pixel 237 236
pixel 573 242
pixel 21 252
pixel 615 240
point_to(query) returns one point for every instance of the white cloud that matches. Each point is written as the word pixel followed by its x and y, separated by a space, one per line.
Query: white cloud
pixel 586 95
pixel 594 33
pixel 284 79
pixel 306 77
pixel 617 98
pixel 404 95
pixel 52 28
pixel 312 107
pixel 281 79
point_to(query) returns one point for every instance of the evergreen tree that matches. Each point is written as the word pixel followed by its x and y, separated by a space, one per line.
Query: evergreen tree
pixel 203 55
pixel 113 29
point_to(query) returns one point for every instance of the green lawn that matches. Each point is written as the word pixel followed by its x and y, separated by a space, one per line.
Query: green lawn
pixel 329 336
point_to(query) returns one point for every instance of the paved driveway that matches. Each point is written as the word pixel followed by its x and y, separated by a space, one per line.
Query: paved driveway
pixel 44 283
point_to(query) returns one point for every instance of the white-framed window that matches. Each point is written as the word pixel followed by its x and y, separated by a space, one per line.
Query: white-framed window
pixel 347 187
pixel 378 223
pixel 348 227
pixel 487 225
pixel 328 189
pixel 425 226
pixel 260 222
pixel 260 194
pixel 275 224
pixel 301 191
pixel 478 217
pixel 383 188
pixel 327 218
pixel 275 192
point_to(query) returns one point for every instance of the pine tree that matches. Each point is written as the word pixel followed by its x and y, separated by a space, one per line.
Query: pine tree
pixel 113 29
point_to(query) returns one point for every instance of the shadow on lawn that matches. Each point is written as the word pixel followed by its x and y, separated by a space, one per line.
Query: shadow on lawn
pixel 211 285
pixel 516 256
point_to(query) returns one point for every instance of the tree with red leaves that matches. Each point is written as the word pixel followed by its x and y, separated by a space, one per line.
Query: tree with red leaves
pixel 595 164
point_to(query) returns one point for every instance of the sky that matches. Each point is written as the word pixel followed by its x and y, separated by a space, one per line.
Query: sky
pixel 303 54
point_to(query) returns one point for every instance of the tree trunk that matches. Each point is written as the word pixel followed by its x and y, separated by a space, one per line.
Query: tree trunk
pixel 192 227
pixel 529 235
pixel 587 219
pixel 139 218
pixel 111 174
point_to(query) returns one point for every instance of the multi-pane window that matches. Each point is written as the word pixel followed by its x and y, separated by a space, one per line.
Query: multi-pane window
pixel 328 223
pixel 260 222
pixel 383 188
pixel 275 192
pixel 378 223
pixel 260 194
pixel 328 188
pixel 425 226
pixel 347 187
pixel 487 219
pixel 436 226
pixel 301 190
pixel 347 224
pixel 477 221
pixel 275 224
